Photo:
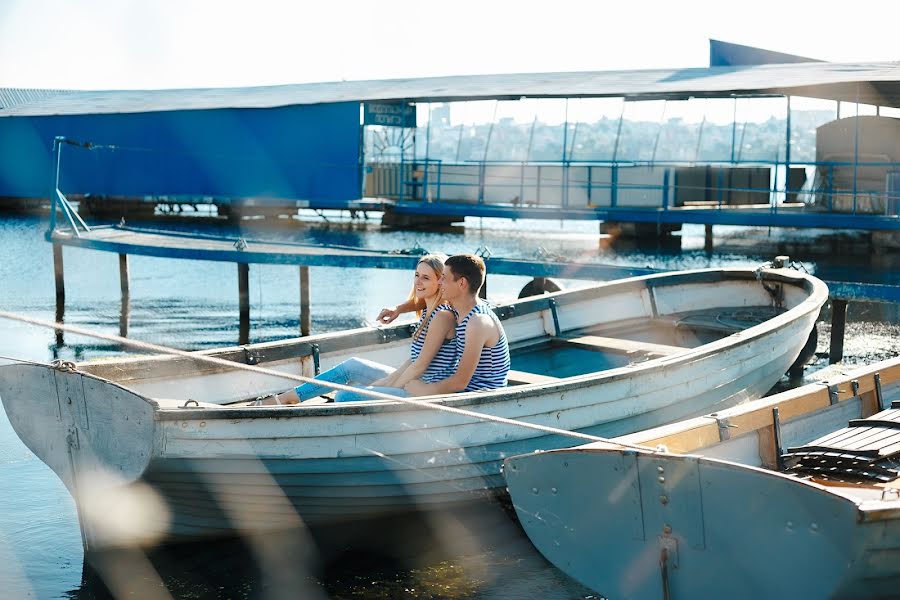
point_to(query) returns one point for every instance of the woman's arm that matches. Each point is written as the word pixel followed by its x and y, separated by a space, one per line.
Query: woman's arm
pixel 387 315
pixel 442 323
pixel 389 380
pixel 477 333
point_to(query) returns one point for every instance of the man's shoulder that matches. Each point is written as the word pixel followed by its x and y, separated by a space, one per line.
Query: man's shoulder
pixel 480 321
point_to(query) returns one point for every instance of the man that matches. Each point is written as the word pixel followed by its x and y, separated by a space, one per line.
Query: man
pixel 480 339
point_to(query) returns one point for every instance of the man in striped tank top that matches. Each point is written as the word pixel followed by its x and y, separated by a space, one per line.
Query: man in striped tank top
pixel 480 339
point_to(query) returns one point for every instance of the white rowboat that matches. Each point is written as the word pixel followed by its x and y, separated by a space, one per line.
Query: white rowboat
pixel 170 443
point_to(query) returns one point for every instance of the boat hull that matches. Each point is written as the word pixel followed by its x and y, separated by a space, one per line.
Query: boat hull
pixel 680 526
pixel 632 523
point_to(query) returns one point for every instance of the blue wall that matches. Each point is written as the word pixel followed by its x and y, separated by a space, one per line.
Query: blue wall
pixel 308 152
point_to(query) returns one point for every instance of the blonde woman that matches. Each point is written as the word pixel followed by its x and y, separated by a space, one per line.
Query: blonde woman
pixel 433 355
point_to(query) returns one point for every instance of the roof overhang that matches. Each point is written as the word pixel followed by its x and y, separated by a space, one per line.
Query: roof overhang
pixel 875 83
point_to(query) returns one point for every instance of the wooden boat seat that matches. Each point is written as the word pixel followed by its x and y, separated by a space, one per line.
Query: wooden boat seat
pixel 525 378
pixel 865 450
pixel 621 346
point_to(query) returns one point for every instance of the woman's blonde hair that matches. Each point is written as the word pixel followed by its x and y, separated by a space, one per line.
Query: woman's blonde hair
pixel 436 263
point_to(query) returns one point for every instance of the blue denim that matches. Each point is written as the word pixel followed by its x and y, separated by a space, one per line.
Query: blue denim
pixel 353 371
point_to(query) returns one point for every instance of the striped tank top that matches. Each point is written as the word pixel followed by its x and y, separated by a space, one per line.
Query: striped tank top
pixel 493 364
pixel 444 363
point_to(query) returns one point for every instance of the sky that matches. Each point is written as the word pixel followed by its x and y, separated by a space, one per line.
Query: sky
pixel 143 44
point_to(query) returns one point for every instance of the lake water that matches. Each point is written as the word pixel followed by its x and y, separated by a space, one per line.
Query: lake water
pixel 191 305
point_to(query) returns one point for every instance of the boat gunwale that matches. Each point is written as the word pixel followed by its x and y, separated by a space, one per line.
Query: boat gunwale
pixel 868 510
pixel 816 288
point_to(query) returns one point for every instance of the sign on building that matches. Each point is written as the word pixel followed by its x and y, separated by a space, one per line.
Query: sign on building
pixel 390 114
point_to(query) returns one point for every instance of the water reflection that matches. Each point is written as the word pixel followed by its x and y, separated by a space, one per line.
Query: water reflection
pixel 478 552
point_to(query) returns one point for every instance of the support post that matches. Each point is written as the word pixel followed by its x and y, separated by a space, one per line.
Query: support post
pixel 125 287
pixel 59 277
pixel 243 303
pixel 304 301
pixel 708 237
pixel 838 324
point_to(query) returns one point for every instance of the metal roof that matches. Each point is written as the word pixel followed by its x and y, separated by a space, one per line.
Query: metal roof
pixel 10 97
pixel 869 83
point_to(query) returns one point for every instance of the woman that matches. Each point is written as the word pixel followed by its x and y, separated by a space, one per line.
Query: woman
pixel 432 356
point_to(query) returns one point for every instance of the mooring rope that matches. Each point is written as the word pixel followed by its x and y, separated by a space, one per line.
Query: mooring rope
pixel 147 346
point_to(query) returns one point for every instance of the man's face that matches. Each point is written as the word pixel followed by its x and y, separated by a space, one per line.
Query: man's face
pixel 451 284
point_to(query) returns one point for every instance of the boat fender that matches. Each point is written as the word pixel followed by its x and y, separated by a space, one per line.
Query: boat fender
pixel 538 286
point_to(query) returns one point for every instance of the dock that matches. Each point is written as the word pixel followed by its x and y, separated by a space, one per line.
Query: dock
pixel 125 240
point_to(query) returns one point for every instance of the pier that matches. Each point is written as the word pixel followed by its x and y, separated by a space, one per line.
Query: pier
pixel 125 241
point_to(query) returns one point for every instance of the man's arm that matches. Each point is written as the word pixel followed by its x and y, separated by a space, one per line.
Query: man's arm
pixel 477 332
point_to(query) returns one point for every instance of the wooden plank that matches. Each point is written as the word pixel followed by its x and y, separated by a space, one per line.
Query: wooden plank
pixel 621 346
pixel 244 303
pixel 703 432
pixel 305 319
pixel 525 378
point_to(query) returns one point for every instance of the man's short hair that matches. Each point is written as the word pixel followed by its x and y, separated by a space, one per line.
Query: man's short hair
pixel 469 266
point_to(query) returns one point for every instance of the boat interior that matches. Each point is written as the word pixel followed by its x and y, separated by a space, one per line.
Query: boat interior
pixel 610 346
pixel 536 359
pixel 848 443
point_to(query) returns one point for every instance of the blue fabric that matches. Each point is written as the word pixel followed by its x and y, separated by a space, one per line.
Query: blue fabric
pixel 353 371
pixel 343 396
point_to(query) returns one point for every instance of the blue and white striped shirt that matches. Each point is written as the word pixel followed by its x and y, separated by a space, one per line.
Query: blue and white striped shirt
pixel 493 364
pixel 444 363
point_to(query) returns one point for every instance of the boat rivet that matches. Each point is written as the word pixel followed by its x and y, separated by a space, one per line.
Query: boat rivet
pixel 183 424
pixel 553 490
pixel 790 524
pixel 814 526
pixel 664 500
pixel 202 423
pixel 662 479
pixel 660 469
pixel 534 490
pixel 667 529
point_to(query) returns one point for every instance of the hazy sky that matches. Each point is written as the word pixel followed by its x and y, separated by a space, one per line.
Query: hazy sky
pixel 196 43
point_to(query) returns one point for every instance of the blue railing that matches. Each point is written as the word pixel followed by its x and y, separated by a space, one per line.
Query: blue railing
pixel 522 185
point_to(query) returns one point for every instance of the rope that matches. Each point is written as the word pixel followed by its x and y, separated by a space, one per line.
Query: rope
pixel 300 378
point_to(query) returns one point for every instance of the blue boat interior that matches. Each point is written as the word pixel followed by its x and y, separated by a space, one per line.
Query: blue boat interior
pixel 605 347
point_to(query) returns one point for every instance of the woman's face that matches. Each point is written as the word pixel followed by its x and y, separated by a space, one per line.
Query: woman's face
pixel 427 282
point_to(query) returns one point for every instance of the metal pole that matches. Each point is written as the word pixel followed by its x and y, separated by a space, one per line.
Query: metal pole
pixel 856 149
pixel 54 182
pixel 618 133
pixel 733 129
pixel 565 167
pixel 304 301
pixel 787 152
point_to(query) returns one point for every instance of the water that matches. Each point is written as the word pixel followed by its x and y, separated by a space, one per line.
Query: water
pixel 193 305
